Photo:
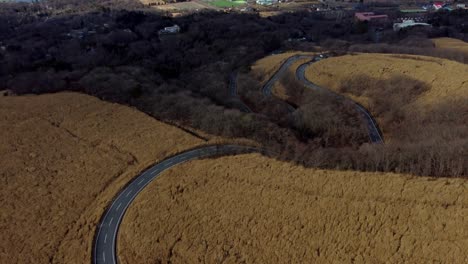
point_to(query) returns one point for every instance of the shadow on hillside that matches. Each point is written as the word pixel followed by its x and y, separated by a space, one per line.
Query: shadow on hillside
pixel 118 55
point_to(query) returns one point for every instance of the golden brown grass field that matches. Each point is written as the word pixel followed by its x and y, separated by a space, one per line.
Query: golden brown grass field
pixel 253 209
pixel 446 79
pixel 64 156
pixel 62 159
pixel 451 43
pixel 267 66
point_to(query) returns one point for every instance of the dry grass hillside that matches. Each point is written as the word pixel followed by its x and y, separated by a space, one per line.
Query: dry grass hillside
pixel 419 103
pixel 451 43
pixel 253 209
pixel 446 79
pixel 63 157
pixel 267 66
pixel 279 88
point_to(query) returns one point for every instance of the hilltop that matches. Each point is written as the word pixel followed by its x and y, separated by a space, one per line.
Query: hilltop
pixel 444 79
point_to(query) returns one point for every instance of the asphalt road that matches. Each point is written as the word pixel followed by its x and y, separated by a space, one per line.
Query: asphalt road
pixel 105 241
pixel 104 250
pixel 234 94
pixel 372 128
pixel 267 88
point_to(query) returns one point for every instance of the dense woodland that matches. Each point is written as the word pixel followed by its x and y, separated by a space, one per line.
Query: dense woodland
pixel 112 50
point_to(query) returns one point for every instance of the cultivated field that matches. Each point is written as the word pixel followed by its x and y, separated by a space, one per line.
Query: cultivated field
pixel 253 209
pixel 63 157
pixel 183 6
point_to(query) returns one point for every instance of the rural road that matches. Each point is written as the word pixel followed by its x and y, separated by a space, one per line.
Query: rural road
pixel 234 94
pixel 268 86
pixel 105 241
pixel 372 128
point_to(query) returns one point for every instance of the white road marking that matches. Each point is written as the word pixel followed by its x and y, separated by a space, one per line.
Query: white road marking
pixel 141 181
pixel 190 155
pixel 152 171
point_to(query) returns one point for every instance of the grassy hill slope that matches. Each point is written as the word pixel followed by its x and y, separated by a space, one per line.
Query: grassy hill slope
pixel 446 79
pixel 253 209
pixel 451 43
pixel 62 159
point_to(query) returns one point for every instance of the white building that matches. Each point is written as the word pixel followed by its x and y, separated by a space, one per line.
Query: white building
pixel 406 24
pixel 266 2
pixel 170 30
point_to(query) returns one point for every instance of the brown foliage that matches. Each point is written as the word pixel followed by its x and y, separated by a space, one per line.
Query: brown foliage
pixel 450 54
pixel 430 141
pixel 387 97
pixel 324 117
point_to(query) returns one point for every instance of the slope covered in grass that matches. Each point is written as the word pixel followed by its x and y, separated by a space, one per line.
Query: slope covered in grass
pixel 419 103
pixel 445 79
pixel 253 209
pixel 267 66
pixel 63 157
pixel 451 43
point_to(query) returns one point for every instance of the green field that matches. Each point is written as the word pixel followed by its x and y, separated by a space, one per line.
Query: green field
pixel 226 3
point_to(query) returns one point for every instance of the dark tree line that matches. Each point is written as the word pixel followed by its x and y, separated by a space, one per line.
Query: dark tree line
pixel 112 50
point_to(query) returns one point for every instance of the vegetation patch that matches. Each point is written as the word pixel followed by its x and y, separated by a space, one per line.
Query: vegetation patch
pixel 228 209
pixel 226 3
pixel 63 157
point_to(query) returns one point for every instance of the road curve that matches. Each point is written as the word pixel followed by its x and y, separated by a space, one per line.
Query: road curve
pixel 267 88
pixel 375 135
pixel 105 240
pixel 234 94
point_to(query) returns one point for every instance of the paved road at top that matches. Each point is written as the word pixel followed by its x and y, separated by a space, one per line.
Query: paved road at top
pixel 104 251
pixel 233 93
pixel 267 88
pixel 374 132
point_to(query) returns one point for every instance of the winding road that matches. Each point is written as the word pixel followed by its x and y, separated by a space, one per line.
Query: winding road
pixel 375 135
pixel 105 241
pixel 372 128
pixel 234 94
pixel 268 86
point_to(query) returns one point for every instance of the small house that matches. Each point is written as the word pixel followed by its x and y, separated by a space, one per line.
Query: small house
pixel 170 30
